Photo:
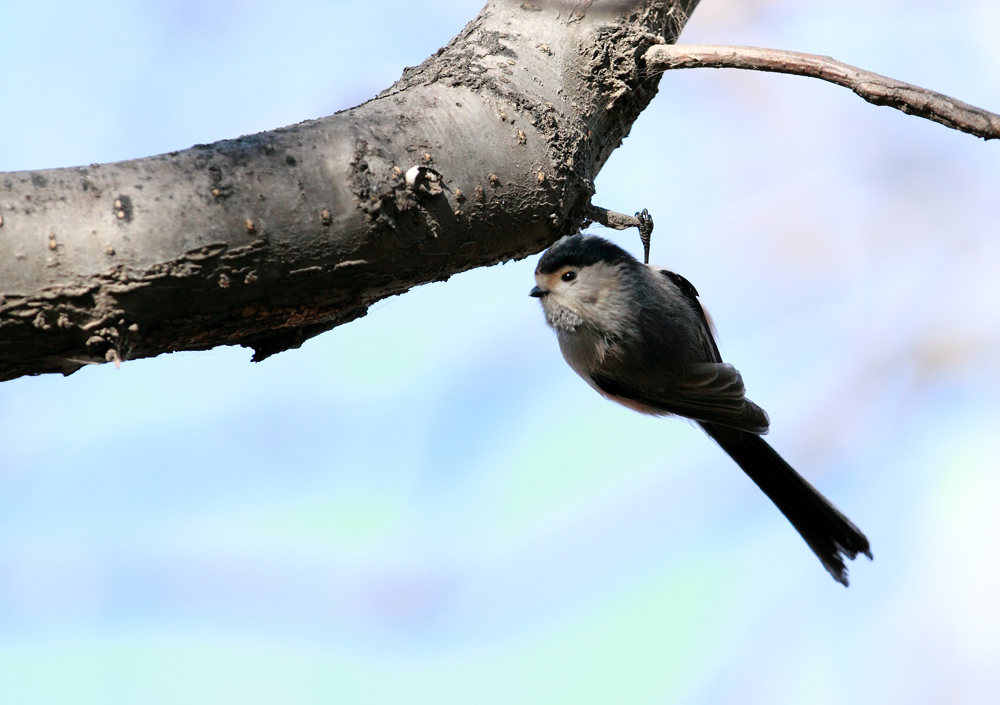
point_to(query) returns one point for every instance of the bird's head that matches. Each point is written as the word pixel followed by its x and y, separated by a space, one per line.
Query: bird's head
pixel 582 279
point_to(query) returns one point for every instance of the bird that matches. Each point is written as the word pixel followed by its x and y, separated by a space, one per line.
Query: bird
pixel 640 337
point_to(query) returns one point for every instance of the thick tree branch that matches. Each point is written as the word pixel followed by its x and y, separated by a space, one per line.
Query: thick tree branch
pixel 485 152
pixel 874 88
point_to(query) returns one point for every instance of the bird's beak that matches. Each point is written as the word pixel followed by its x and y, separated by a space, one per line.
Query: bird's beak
pixel 537 292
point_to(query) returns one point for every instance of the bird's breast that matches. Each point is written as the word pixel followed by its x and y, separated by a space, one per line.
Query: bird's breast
pixel 583 350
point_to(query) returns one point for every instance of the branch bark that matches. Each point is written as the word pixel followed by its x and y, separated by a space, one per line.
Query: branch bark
pixel 485 152
pixel 267 240
pixel 874 88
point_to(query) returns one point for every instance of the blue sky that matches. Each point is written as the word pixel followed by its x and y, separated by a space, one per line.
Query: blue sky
pixel 426 505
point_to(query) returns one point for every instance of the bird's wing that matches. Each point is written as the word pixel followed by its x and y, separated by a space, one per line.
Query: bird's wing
pixel 688 291
pixel 710 392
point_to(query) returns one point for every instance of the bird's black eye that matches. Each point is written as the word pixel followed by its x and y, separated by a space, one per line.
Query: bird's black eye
pixel 569 276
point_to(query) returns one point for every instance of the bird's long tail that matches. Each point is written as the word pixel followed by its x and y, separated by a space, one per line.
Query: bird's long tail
pixel 829 533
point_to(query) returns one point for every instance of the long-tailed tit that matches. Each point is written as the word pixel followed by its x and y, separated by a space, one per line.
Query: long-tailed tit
pixel 639 336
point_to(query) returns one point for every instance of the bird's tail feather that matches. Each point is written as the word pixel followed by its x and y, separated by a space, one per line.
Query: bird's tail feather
pixel 829 533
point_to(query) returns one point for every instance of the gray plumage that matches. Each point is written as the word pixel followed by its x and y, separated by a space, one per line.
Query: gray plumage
pixel 640 337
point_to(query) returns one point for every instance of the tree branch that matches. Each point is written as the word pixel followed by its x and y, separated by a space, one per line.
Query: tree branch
pixel 874 88
pixel 642 220
pixel 484 153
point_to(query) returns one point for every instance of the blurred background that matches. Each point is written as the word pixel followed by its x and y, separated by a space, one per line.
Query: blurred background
pixel 427 505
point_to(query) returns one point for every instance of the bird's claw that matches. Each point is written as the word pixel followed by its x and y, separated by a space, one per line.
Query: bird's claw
pixel 645 230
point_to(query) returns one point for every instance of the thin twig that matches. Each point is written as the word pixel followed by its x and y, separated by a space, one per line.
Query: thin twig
pixel 619 221
pixel 610 219
pixel 874 88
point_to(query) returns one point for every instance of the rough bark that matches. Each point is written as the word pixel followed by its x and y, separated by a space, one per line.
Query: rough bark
pixel 485 152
